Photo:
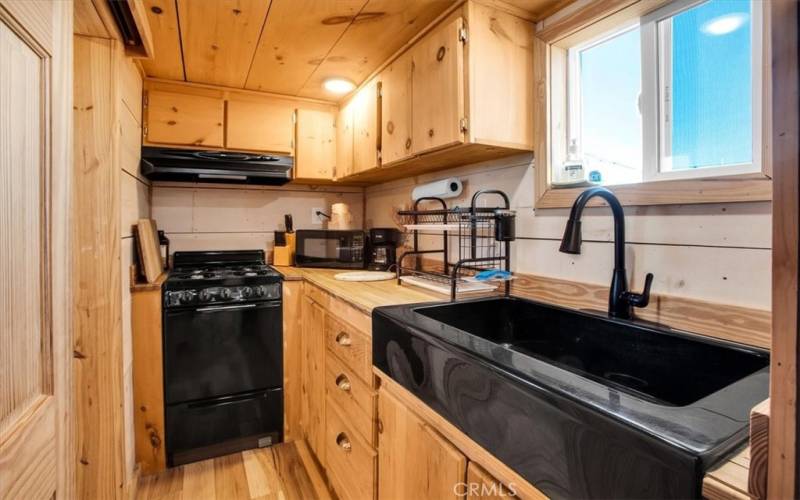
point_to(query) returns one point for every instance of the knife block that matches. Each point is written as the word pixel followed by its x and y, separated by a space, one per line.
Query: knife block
pixel 283 253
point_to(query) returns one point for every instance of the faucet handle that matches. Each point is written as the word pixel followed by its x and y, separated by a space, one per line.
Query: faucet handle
pixel 641 299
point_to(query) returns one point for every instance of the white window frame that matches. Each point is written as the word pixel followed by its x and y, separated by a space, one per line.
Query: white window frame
pixel 656 74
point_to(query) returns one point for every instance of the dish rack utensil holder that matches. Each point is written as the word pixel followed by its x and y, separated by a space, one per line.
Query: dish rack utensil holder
pixel 484 237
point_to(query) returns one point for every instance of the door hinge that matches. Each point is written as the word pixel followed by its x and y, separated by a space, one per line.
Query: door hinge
pixel 144 131
pixel 144 99
pixel 463 124
pixel 462 35
pixel 294 117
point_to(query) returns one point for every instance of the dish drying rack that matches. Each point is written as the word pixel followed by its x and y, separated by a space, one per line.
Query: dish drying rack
pixel 484 238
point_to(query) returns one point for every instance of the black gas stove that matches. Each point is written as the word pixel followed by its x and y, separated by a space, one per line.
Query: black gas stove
pixel 223 354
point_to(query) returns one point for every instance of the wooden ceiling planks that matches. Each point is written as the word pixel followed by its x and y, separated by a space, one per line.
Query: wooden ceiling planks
pixel 219 39
pixel 296 38
pixel 167 60
pixel 291 46
pixel 379 30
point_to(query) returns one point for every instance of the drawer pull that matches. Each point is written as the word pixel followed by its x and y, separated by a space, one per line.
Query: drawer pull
pixel 343 382
pixel 344 442
pixel 344 339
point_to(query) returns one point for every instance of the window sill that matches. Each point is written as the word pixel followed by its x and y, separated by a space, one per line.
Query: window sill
pixel 744 188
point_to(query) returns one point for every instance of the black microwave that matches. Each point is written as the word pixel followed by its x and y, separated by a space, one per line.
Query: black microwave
pixel 330 248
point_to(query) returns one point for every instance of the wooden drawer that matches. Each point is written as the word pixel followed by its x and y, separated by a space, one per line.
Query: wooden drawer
pixel 350 461
pixel 316 294
pixel 351 346
pixel 356 400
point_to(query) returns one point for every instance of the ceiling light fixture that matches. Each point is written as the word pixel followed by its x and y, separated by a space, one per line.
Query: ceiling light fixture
pixel 338 85
pixel 723 25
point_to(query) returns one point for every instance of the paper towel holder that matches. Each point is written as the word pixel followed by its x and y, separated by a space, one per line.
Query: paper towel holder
pixel 445 188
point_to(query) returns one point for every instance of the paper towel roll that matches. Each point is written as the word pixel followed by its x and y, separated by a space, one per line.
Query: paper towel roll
pixel 446 188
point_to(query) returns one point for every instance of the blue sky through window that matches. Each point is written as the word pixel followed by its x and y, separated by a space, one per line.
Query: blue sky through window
pixel 710 103
pixel 712 89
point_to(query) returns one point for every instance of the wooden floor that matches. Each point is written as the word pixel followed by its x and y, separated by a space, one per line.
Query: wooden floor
pixel 283 472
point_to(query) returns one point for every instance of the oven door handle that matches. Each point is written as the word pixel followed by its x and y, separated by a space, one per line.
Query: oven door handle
pixel 225 308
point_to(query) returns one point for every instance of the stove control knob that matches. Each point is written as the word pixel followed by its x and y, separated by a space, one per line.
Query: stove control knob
pixel 186 297
pixel 225 293
pixel 259 291
pixel 246 292
pixel 205 296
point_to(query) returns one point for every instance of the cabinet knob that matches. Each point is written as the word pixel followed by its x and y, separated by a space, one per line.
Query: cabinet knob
pixel 343 382
pixel 343 339
pixel 430 132
pixel 408 143
pixel 440 53
pixel 390 126
pixel 344 442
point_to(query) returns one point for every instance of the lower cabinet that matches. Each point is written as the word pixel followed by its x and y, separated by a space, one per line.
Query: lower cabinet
pixel 313 377
pixel 414 461
pixel 377 443
pixel 481 485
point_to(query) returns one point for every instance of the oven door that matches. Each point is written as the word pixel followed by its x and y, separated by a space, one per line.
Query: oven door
pixel 222 350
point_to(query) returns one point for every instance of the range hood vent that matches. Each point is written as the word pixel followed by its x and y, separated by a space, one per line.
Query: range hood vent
pixel 165 164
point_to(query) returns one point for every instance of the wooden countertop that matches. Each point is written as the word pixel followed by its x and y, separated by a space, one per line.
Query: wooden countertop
pixel 726 481
pixel 364 295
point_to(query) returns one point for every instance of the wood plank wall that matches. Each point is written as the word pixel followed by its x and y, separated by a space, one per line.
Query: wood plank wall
pixel 230 217
pixel 719 253
pixel 134 204
pixel 108 143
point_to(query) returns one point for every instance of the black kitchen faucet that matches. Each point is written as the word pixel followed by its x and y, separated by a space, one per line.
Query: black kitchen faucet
pixel 621 301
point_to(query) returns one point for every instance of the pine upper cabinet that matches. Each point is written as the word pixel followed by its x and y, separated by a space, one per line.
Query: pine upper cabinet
pixel 414 461
pixel 344 141
pixel 315 154
pixel 184 119
pixel 261 124
pixel 438 118
pixel 396 118
pixel 366 128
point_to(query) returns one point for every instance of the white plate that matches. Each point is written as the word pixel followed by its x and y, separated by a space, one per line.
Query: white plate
pixel 365 276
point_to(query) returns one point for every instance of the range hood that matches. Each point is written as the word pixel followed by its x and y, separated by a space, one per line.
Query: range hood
pixel 166 164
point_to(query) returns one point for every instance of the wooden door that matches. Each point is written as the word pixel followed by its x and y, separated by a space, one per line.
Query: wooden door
pixel 184 119
pixel 313 409
pixel 396 141
pixel 481 485
pixel 438 89
pixel 315 154
pixel 344 141
pixel 414 461
pixel 35 165
pixel 366 128
pixel 261 124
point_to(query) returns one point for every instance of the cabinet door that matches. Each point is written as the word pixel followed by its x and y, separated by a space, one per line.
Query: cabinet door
pixel 483 486
pixel 366 128
pixel 344 141
pixel 313 409
pixel 186 119
pixel 263 124
pixel 396 141
pixel 438 89
pixel 315 156
pixel 414 461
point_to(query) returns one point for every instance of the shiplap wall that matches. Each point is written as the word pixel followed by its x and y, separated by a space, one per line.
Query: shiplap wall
pixel 717 252
pixel 134 204
pixel 230 217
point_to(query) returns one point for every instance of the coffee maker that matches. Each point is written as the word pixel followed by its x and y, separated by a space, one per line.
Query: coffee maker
pixel 383 243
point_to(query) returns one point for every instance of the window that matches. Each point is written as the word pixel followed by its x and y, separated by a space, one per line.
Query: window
pixel 672 95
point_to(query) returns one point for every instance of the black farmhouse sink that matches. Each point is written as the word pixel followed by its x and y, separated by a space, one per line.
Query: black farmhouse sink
pixel 581 405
